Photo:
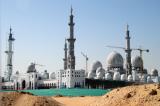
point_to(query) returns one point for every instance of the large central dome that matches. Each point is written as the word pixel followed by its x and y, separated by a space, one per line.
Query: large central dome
pixel 114 60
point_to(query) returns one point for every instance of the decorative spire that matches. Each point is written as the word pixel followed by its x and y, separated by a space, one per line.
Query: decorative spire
pixel 65 44
pixel 71 10
pixel 10 29
pixel 127 27
pixel 127 32
pixel 65 55
pixel 10 34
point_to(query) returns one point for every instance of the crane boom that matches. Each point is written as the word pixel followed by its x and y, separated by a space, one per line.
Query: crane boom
pixel 141 50
pixel 84 55
pixel 116 47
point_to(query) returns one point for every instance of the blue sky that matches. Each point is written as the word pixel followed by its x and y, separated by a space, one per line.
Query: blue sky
pixel 40 27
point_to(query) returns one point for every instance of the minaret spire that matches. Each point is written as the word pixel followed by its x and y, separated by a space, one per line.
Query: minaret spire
pixel 71 10
pixel 65 55
pixel 71 40
pixel 128 52
pixel 9 53
pixel 10 29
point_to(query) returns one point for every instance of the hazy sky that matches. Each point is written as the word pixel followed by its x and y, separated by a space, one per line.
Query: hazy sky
pixel 41 26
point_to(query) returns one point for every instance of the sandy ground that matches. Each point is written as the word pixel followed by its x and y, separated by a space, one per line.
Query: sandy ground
pixel 142 95
pixel 76 101
pixel 22 99
pixel 137 95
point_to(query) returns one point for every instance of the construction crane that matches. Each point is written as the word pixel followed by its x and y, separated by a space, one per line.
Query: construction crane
pixel 86 57
pixel 139 49
pixel 39 65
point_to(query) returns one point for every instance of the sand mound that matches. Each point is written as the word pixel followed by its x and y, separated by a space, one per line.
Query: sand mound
pixel 137 95
pixel 25 99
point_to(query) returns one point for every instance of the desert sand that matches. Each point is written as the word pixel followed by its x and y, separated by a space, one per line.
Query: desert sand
pixel 136 95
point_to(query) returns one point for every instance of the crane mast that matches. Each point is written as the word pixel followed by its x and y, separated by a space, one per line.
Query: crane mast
pixel 86 58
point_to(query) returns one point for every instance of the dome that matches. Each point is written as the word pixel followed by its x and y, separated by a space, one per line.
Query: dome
pixel 95 65
pixel 45 75
pixel 100 70
pixel 145 71
pixel 100 75
pixel 53 75
pixel 116 76
pixel 31 68
pixel 130 78
pixel 108 76
pixel 17 72
pixel 135 76
pixel 91 75
pixel 123 77
pixel 157 79
pixel 137 61
pixel 144 78
pixel 154 72
pixel 149 80
pixel 114 59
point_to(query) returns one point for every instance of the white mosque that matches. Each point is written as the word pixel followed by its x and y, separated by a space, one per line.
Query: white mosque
pixel 117 70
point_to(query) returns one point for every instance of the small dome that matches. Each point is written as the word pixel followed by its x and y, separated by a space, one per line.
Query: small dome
pixel 137 62
pixel 145 71
pixel 53 75
pixel 144 78
pixel 130 78
pixel 95 65
pixel 91 75
pixel 31 68
pixel 135 75
pixel 116 76
pixel 157 79
pixel 114 59
pixel 123 77
pixel 100 70
pixel 149 80
pixel 45 75
pixel 108 76
pixel 17 72
pixel 100 75
pixel 154 72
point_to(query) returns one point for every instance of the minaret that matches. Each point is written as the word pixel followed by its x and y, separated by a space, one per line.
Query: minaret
pixel 65 55
pixel 9 53
pixel 71 40
pixel 128 53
